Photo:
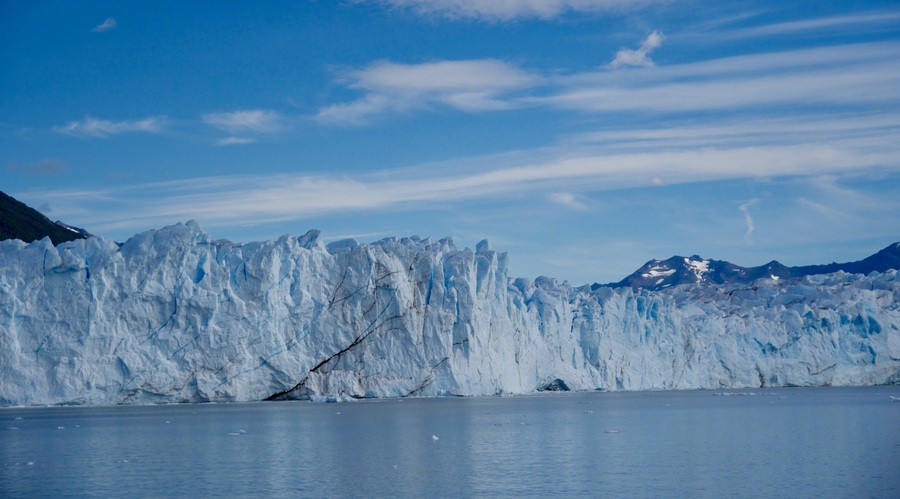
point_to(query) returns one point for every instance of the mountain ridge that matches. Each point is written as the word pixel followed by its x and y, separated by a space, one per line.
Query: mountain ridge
pixel 656 275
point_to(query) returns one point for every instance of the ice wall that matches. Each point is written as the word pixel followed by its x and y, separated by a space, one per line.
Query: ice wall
pixel 173 316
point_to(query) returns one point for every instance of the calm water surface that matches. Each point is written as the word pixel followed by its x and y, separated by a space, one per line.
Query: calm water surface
pixel 798 442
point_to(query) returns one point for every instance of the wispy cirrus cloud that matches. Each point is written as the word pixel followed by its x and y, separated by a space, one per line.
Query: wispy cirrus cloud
pixel 568 172
pixel 469 85
pixel 230 141
pixel 748 219
pixel 846 75
pixel 767 131
pixel 248 120
pixel 640 56
pixel 567 199
pixel 106 25
pixel 850 75
pixel 98 128
pixel 858 21
pixel 508 10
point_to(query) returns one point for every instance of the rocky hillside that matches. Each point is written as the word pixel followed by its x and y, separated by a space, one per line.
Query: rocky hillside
pixel 19 221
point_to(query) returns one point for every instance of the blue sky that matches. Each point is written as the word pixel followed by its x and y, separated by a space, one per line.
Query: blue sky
pixel 584 137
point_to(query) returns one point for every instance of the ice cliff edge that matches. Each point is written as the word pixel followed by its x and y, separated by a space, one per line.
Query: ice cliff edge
pixel 173 316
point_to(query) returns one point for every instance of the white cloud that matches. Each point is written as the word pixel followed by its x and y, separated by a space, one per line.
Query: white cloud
pixel 567 199
pixel 92 127
pixel 864 21
pixel 253 200
pixel 449 76
pixel 826 187
pixel 228 141
pixel 791 129
pixel 824 210
pixel 249 120
pixel 357 112
pixel 849 75
pixel 852 76
pixel 471 86
pixel 639 57
pixel 748 219
pixel 507 10
pixel 106 25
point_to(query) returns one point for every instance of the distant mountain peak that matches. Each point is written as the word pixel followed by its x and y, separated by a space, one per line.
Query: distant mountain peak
pixel 677 270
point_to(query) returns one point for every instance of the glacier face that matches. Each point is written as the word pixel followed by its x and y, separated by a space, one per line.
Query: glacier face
pixel 172 316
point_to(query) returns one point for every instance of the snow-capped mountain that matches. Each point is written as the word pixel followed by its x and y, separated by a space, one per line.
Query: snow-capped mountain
pixel 661 274
pixel 173 316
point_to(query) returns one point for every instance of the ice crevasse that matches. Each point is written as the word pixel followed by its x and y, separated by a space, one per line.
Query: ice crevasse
pixel 173 316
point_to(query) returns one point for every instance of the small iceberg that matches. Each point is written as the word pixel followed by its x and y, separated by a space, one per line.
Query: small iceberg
pixel 329 399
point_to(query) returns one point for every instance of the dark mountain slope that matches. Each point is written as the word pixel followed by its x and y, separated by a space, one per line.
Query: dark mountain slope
pixel 18 221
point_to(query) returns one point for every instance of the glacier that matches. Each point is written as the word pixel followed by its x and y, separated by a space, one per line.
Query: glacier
pixel 174 316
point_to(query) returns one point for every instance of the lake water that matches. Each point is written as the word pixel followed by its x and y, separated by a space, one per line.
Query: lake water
pixel 797 442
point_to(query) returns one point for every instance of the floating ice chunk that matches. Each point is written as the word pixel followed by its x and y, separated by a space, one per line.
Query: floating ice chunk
pixel 330 398
pixel 435 438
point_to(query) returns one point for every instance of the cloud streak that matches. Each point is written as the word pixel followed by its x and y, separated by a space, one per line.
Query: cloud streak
pixel 106 25
pixel 864 74
pixel 849 76
pixel 249 120
pixel 864 21
pixel 469 86
pixel 748 219
pixel 230 141
pixel 98 128
pixel 508 10
pixel 567 199
pixel 566 173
